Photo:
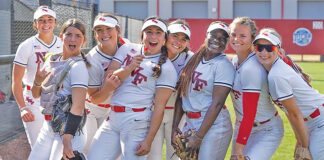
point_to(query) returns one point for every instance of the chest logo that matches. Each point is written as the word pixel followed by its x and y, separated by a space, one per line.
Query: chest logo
pixel 138 77
pixel 40 56
pixel 198 83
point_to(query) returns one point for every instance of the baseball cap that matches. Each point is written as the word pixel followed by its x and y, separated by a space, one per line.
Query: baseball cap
pixel 218 26
pixel 176 28
pixel 268 36
pixel 106 21
pixel 44 11
pixel 154 22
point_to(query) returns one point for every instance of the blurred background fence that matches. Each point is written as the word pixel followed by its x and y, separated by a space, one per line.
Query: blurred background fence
pixel 16 17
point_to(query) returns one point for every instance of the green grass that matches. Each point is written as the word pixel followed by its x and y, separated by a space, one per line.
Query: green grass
pixel 286 148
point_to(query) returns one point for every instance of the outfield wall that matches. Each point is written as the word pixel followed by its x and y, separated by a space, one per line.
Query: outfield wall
pixel 299 36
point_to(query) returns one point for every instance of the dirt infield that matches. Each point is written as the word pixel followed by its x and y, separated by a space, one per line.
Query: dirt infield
pixel 16 149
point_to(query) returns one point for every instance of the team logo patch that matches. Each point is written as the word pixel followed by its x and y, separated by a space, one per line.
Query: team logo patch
pixel 302 36
pixel 101 19
pixel 198 83
pixel 45 10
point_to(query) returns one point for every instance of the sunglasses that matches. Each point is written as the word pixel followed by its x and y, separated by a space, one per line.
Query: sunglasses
pixel 267 47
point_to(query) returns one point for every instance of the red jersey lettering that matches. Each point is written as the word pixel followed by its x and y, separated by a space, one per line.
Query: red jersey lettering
pixel 198 83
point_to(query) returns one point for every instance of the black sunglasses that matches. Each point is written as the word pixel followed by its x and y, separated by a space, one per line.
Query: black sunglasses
pixel 268 47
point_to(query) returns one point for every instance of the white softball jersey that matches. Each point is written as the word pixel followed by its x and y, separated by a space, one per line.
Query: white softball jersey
pixel 217 71
pixel 99 64
pixel 250 76
pixel 179 62
pixel 141 82
pixel 32 51
pixel 285 83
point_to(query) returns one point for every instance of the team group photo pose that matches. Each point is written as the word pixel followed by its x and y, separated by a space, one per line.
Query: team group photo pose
pixel 158 98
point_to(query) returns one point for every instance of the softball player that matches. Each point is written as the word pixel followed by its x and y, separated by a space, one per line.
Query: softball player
pixel 179 54
pixel 147 75
pixel 304 105
pixel 51 145
pixel 107 33
pixel 204 85
pixel 29 53
pixel 257 119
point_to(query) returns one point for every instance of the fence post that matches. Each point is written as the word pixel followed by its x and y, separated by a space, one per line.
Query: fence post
pixel 126 28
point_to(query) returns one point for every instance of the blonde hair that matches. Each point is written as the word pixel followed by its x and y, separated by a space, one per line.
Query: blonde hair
pixel 247 22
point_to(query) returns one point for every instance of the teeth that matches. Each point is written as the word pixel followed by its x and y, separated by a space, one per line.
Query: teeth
pixel 154 42
pixel 175 46
pixel 105 39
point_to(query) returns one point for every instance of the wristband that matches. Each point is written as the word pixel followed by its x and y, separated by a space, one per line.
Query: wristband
pixel 72 124
pixel 22 108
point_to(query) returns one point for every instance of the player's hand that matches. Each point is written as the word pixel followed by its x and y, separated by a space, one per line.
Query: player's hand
pixel 174 133
pixel 136 61
pixel 111 82
pixel 27 115
pixel 143 148
pixel 40 75
pixel 193 146
pixel 67 146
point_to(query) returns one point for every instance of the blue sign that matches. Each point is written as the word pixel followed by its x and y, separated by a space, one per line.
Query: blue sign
pixel 302 36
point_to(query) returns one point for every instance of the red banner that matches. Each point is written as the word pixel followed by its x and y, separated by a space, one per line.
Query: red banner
pixel 299 36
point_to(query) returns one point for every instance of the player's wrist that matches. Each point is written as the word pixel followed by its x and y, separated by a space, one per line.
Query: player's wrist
pixel 23 108
pixel 37 84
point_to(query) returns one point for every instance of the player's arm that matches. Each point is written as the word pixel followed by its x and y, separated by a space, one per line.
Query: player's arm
pixel 99 95
pixel 18 72
pixel 220 94
pixel 178 113
pixel 250 103
pixel 124 72
pixel 161 97
pixel 296 120
pixel 39 78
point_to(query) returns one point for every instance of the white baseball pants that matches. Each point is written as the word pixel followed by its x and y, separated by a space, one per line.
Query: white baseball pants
pixel 215 143
pixel 96 116
pixel 49 144
pixel 164 133
pixel 264 139
pixel 120 134
pixel 32 128
pixel 315 130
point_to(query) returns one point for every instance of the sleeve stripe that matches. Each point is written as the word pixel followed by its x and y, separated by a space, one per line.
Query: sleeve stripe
pixel 118 60
pixel 252 90
pixel 285 97
pixel 19 63
pixel 79 85
pixel 223 84
pixel 164 86
pixel 94 85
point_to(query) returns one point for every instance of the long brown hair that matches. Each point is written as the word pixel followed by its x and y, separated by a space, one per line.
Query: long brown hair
pixel 78 25
pixel 157 69
pixel 188 71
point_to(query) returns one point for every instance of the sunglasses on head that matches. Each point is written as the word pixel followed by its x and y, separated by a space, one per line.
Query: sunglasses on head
pixel 267 47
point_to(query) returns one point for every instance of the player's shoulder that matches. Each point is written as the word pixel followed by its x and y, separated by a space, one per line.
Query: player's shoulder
pixel 29 42
pixel 252 64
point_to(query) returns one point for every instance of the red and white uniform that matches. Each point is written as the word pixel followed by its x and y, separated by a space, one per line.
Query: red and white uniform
pixel 29 53
pixel 216 72
pixel 49 143
pixel 134 98
pixel 165 129
pixel 251 77
pixel 96 113
pixel 285 83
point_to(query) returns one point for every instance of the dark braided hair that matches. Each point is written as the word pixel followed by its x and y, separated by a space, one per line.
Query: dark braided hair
pixel 157 69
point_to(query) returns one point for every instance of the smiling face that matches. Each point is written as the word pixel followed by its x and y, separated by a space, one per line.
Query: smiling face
pixel 153 39
pixel 265 57
pixel 217 40
pixel 73 40
pixel 105 35
pixel 176 43
pixel 241 38
pixel 45 24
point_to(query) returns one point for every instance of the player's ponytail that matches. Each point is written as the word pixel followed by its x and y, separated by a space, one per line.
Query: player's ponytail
pixel 85 59
pixel 158 68
pixel 186 76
